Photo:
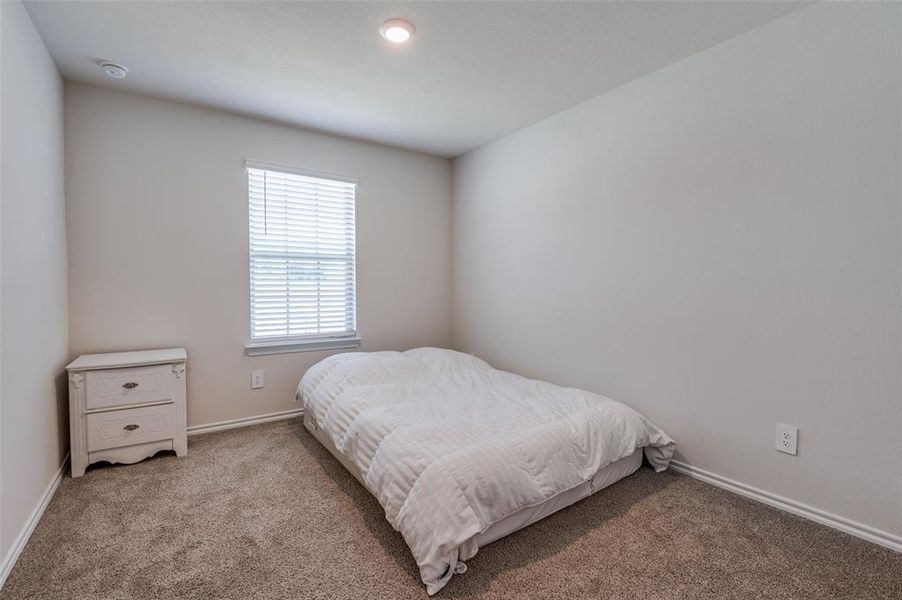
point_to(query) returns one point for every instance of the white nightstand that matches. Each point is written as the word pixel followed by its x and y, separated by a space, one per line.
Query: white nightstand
pixel 126 406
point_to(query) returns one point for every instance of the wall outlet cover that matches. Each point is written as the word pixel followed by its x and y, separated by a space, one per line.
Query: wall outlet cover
pixel 256 379
pixel 787 439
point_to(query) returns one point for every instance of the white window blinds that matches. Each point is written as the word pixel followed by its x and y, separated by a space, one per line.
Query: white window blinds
pixel 301 256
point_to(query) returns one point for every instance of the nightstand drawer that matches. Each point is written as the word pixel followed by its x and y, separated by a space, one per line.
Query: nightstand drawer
pixel 135 385
pixel 130 426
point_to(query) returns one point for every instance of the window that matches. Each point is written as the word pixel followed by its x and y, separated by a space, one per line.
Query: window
pixel 302 271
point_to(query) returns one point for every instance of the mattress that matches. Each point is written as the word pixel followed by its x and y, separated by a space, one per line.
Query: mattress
pixel 460 454
pixel 602 478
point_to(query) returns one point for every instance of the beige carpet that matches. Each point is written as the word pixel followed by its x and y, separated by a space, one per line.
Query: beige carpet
pixel 265 512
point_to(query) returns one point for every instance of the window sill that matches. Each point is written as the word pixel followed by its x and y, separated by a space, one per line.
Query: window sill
pixel 285 347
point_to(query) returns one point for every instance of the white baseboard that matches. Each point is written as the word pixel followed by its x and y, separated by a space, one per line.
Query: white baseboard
pixel 244 422
pixel 865 532
pixel 15 550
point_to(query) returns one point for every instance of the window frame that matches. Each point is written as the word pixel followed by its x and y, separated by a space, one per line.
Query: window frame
pixel 305 342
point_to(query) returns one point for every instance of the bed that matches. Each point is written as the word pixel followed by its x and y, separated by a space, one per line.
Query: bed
pixel 460 454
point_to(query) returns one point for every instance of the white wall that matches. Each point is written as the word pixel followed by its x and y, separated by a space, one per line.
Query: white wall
pixel 34 348
pixel 717 244
pixel 158 249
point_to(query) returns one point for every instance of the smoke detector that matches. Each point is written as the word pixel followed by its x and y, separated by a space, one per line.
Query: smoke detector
pixel 114 70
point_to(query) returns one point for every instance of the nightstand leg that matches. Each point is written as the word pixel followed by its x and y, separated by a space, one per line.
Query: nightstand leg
pixel 78 466
pixel 180 446
pixel 180 442
pixel 78 447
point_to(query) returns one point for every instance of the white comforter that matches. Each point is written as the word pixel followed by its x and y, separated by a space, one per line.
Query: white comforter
pixel 449 445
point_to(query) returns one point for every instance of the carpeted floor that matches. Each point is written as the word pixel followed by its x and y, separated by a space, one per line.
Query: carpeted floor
pixel 265 512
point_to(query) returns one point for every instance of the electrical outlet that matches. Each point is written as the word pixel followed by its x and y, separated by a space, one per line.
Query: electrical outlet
pixel 256 380
pixel 787 439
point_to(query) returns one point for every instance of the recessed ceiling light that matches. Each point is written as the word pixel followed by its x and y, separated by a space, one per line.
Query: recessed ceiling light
pixel 114 70
pixel 397 31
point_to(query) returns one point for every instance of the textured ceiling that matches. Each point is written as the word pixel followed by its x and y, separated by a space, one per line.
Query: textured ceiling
pixel 474 71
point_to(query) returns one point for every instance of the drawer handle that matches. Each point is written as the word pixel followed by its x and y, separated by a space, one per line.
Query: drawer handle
pixel 130 385
pixel 131 427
